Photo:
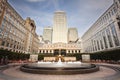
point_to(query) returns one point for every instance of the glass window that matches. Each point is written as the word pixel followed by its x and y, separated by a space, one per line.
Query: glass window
pixel 119 24
pixel 104 39
pixel 109 14
pixel 0 33
pixel 95 45
pixel 109 37
pixel 92 45
pixel 7 45
pixel 101 44
pixel 114 34
pixel 3 43
pixel 112 12
pixel 98 45
pixel 2 27
pixel 119 1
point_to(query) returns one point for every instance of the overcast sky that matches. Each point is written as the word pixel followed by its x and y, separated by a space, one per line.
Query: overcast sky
pixel 80 13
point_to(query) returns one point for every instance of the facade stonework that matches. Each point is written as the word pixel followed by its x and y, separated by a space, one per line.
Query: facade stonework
pixel 104 34
pixel 60 39
pixel 62 48
pixel 59 27
pixel 47 34
pixel 32 44
pixel 18 35
pixel 72 34
pixel 14 30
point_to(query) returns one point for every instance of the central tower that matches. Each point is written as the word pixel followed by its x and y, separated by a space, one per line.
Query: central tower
pixel 59 27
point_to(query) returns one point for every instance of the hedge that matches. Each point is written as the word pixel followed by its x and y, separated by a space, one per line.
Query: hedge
pixel 42 55
pixel 106 55
pixel 77 55
pixel 13 55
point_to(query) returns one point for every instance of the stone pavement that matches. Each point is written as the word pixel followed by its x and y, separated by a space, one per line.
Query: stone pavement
pixel 105 73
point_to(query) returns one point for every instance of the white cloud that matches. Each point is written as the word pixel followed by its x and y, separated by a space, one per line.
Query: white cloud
pixel 81 13
pixel 35 0
pixel 41 19
pixel 54 2
pixel 39 30
pixel 87 13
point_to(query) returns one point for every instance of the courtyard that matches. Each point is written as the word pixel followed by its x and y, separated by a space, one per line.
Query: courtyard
pixel 60 39
pixel 106 72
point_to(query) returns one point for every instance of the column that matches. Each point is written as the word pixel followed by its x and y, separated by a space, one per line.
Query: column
pixel 70 51
pixel 77 51
pixel 52 51
pixel 66 51
pixel 107 39
pixel 73 51
pixel 112 37
pixel 99 43
pixel 95 43
pixel 41 51
pixel 117 30
pixel 103 40
pixel 45 51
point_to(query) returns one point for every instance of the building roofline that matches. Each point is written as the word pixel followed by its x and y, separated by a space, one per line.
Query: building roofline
pixel 97 21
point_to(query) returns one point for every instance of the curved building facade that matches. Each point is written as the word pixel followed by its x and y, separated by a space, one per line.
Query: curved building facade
pixel 104 34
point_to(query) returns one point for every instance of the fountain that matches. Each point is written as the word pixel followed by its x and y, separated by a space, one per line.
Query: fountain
pixel 59 61
pixel 59 67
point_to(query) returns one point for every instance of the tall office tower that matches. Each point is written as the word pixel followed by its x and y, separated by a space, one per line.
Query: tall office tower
pixel 72 34
pixel 47 34
pixel 59 27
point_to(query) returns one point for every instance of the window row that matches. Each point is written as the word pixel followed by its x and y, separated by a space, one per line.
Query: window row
pixel 105 39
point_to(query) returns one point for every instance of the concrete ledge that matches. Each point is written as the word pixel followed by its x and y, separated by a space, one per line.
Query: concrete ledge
pixel 3 67
pixel 59 70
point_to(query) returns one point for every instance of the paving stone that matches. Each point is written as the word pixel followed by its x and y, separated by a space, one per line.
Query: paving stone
pixel 13 73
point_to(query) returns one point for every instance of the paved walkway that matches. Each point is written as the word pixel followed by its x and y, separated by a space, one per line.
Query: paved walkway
pixel 105 73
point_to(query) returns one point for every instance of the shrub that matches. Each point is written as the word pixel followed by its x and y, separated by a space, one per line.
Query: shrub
pixel 77 55
pixel 13 55
pixel 106 55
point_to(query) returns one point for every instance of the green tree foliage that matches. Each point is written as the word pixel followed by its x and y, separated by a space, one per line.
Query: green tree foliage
pixel 42 55
pixel 77 55
pixel 13 55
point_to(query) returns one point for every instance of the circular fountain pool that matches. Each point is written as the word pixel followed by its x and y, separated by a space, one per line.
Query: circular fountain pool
pixel 59 68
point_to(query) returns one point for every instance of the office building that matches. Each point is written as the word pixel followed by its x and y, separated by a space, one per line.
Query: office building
pixel 72 34
pixel 59 27
pixel 47 34
pixel 16 34
pixel 104 34
pixel 64 40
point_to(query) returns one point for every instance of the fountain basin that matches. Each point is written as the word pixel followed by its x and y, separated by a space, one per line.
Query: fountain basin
pixel 62 68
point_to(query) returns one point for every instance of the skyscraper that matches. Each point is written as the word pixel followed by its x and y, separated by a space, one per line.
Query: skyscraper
pixel 72 34
pixel 60 27
pixel 61 34
pixel 47 34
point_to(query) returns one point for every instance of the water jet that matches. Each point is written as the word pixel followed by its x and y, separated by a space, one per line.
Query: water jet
pixel 59 67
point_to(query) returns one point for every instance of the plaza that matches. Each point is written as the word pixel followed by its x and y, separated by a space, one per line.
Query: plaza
pixel 59 53
pixel 105 73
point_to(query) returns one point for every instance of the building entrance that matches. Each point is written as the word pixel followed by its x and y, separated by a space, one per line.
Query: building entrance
pixel 60 52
